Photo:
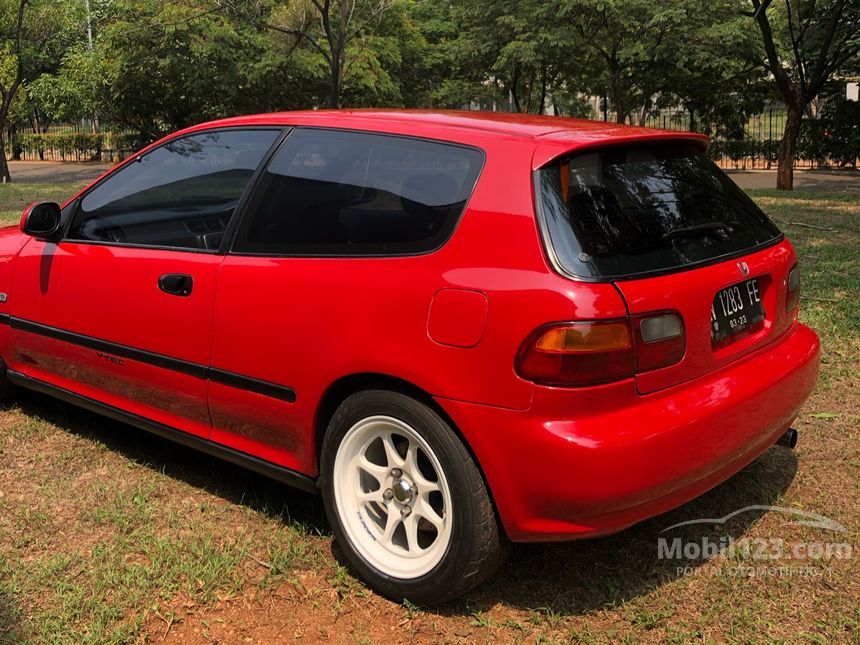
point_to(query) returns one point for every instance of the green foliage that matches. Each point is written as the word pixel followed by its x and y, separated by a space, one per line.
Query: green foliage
pixel 78 145
pixel 155 66
pixel 164 66
pixel 739 150
pixel 840 122
pixel 832 139
pixel 499 50
pixel 127 142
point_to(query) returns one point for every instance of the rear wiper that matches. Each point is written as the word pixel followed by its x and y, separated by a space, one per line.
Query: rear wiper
pixel 698 230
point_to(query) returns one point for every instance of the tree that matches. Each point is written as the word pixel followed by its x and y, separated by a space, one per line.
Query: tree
pixel 430 65
pixel 33 37
pixel 626 47
pixel 458 56
pixel 804 44
pixel 159 66
pixel 65 79
pixel 516 46
pixel 711 72
pixel 14 77
pixel 330 27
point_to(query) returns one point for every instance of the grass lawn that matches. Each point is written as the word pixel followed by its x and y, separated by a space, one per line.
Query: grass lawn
pixel 108 534
pixel 15 197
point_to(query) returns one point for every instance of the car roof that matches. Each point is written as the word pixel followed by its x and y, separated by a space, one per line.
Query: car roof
pixel 553 135
pixel 529 126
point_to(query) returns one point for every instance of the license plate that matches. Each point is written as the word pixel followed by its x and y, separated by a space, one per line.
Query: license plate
pixel 735 310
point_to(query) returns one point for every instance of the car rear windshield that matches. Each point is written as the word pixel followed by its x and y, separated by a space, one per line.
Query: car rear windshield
pixel 622 212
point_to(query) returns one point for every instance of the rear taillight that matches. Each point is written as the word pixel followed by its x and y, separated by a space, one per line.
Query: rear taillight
pixel 600 351
pixel 578 353
pixel 792 289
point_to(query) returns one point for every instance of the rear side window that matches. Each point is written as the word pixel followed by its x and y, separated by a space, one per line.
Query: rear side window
pixel 329 192
pixel 622 212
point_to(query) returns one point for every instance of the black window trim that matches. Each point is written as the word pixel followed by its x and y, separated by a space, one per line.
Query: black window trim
pixel 283 132
pixel 398 254
pixel 558 267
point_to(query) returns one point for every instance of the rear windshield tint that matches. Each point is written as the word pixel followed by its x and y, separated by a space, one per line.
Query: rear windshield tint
pixel 621 212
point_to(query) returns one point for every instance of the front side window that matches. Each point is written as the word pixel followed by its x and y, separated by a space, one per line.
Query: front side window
pixel 627 211
pixel 182 194
pixel 329 192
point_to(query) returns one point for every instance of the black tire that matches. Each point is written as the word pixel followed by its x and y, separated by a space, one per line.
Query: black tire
pixel 476 547
pixel 6 388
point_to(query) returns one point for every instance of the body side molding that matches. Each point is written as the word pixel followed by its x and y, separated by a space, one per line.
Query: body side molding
pixel 274 471
pixel 239 381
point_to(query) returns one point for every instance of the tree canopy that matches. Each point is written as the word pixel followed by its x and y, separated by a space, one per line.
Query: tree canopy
pixel 152 66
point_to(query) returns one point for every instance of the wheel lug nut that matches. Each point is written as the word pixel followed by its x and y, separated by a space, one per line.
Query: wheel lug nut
pixel 387 495
pixel 406 511
pixel 396 473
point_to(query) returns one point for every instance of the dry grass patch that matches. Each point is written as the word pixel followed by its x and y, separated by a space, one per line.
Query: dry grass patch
pixel 110 535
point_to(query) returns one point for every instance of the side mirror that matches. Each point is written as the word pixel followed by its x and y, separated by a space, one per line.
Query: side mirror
pixel 41 220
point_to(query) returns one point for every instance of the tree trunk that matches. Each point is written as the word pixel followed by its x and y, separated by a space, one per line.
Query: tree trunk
pixel 334 88
pixel 621 110
pixel 530 87
pixel 542 108
pixel 5 177
pixel 514 91
pixel 787 150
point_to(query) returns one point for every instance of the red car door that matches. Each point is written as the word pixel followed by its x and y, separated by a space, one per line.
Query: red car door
pixel 120 310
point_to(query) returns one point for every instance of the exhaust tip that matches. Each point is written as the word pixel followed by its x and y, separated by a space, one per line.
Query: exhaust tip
pixel 789 439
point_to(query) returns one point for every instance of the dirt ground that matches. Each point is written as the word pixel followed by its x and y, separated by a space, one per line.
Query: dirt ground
pixel 51 172
pixel 805 179
pixel 111 535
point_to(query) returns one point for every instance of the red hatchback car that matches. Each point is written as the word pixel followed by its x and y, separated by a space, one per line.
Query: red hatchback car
pixel 461 328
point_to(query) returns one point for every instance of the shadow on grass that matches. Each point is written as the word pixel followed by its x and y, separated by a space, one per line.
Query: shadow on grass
pixel 564 578
pixel 216 476
pixel 8 619
pixel 587 575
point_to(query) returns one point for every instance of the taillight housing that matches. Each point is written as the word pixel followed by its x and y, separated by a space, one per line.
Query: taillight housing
pixel 591 352
pixel 660 340
pixel 792 289
pixel 578 353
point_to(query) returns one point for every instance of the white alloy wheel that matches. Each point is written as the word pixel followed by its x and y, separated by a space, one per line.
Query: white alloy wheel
pixel 392 497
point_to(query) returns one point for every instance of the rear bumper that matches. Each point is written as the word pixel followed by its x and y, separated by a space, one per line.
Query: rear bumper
pixel 587 462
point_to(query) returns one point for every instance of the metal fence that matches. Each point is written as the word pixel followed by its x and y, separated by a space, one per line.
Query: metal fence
pixel 81 141
pixel 755 151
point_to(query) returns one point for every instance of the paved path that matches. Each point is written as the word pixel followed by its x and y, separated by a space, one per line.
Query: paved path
pixel 803 179
pixel 50 172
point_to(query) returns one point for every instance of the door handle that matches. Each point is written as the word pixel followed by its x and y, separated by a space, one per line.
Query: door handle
pixel 176 284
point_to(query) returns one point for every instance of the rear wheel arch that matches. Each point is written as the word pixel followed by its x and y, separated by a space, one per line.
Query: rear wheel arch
pixel 346 386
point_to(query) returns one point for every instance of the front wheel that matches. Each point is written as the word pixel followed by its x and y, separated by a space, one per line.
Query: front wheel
pixel 406 502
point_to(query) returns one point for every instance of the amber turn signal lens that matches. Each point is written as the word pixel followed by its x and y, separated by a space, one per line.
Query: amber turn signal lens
pixel 586 337
pixel 578 353
pixel 592 352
